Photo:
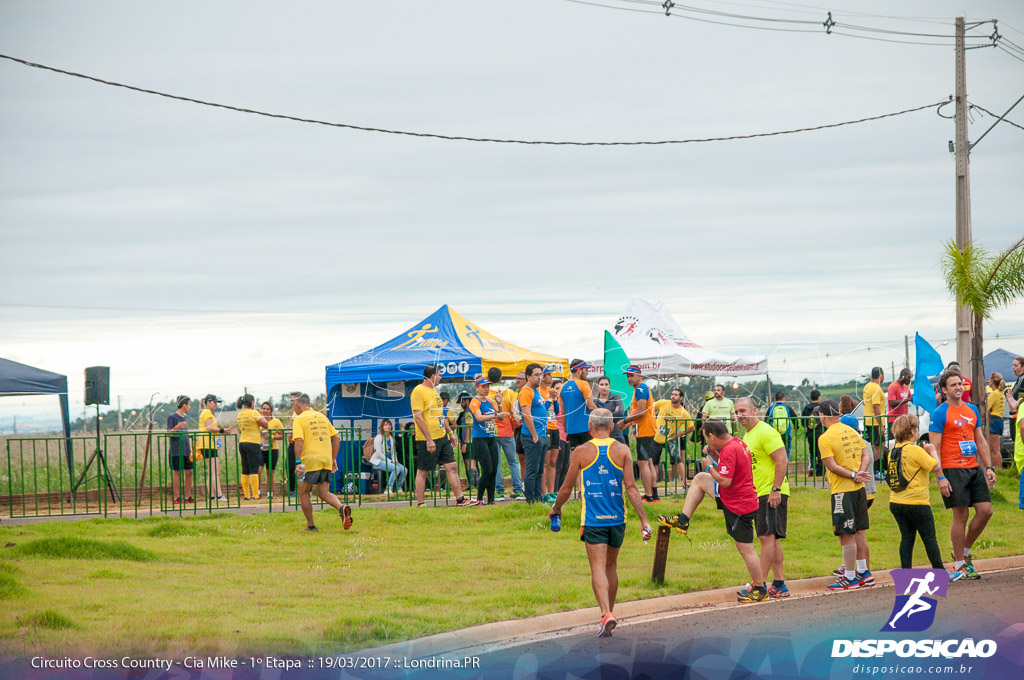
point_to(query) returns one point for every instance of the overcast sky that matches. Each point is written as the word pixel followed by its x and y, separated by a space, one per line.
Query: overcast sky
pixel 194 249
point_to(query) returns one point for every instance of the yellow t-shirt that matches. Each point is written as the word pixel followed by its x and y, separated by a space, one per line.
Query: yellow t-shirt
pixel 762 440
pixel 660 404
pixel 722 409
pixel 206 441
pixel 873 395
pixel 996 403
pixel 248 426
pixel 844 445
pixel 427 399
pixel 916 466
pixel 666 429
pixel 274 424
pixel 315 431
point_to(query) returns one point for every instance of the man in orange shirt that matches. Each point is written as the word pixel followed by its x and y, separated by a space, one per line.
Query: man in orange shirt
pixel 955 431
pixel 642 413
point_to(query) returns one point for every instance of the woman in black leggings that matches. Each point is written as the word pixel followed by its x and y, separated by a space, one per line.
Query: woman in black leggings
pixel 911 507
pixel 485 446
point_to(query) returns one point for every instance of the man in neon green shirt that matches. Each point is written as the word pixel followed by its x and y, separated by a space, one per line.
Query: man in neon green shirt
pixel 768 459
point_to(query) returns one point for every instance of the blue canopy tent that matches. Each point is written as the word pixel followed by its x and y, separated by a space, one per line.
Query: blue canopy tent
pixel 377 383
pixel 20 380
pixel 1000 361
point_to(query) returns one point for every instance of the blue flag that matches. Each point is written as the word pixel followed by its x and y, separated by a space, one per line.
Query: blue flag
pixel 929 365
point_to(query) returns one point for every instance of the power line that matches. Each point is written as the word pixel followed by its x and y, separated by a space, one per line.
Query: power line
pixel 460 137
pixel 994 115
pixel 1000 47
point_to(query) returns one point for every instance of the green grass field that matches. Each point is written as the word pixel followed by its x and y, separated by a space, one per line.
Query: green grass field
pixel 232 584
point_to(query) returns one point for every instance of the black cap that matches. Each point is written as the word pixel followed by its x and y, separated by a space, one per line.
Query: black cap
pixel 212 397
pixel 464 395
pixel 829 407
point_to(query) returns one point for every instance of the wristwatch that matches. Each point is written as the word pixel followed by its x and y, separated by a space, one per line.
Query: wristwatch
pixel 776 488
pixel 990 467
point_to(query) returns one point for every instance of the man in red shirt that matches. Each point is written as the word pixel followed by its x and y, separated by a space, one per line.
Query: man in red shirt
pixel 955 432
pixel 898 395
pixel 728 477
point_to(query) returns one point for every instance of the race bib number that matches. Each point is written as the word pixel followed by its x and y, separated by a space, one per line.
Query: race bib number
pixel 440 422
pixel 489 427
pixel 968 449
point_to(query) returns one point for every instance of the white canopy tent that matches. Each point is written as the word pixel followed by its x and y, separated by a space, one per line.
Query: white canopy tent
pixel 654 341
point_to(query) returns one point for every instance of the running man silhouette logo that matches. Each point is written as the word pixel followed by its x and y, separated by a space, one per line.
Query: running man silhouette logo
pixel 914 610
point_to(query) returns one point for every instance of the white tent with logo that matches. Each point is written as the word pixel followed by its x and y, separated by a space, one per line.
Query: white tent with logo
pixel 654 341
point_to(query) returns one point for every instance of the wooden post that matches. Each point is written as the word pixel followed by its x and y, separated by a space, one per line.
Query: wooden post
pixel 660 555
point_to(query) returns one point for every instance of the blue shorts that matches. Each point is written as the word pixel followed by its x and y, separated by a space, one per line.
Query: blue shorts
pixel 995 425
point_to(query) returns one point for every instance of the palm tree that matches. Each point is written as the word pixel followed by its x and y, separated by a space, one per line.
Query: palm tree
pixel 984 282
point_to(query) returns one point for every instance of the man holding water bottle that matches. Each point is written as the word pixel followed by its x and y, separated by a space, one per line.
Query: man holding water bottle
pixel 605 470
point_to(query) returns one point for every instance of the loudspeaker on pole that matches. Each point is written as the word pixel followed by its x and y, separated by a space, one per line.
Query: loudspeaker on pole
pixel 97 385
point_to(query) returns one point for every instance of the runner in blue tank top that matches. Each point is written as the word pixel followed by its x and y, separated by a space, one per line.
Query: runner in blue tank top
pixel 577 403
pixel 605 469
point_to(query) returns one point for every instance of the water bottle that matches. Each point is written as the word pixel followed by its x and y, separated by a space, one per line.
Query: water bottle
pixel 646 535
pixel 556 523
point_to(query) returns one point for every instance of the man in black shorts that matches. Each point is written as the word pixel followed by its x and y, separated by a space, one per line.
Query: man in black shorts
pixel 642 413
pixel 728 476
pixel 180 451
pixel 603 466
pixel 434 438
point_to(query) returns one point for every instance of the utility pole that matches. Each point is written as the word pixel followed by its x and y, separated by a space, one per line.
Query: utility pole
pixel 963 193
pixel 906 351
pixel 120 416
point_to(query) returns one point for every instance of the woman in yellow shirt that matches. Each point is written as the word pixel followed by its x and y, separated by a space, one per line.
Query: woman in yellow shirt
pixel 996 402
pixel 911 506
pixel 270 444
pixel 250 421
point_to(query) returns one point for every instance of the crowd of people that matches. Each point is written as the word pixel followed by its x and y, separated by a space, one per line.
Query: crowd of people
pixel 564 436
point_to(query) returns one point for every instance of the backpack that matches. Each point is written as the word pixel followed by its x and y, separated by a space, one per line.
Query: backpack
pixel 781 423
pixel 368 449
pixel 894 470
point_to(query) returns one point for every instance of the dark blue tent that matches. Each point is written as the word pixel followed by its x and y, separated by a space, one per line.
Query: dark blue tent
pixel 18 380
pixel 1000 361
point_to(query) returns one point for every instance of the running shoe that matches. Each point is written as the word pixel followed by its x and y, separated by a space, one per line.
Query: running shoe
pixel 959 574
pixel 839 571
pixel 971 572
pixel 676 522
pixel 467 502
pixel 754 595
pixel 843 584
pixel 518 497
pixel 190 500
pixel 608 624
pixel 499 498
pixel 655 499
pixel 865 579
pixel 745 589
pixel 224 499
pixel 346 516
pixel 778 593
pixel 312 529
pixel 177 501
pixel 646 499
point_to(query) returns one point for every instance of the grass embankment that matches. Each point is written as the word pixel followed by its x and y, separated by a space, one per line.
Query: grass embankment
pixel 232 584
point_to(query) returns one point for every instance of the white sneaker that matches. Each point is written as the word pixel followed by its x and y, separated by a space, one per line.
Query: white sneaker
pixel 223 499
pixel 499 499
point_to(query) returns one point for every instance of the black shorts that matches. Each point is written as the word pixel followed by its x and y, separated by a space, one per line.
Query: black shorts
pixel 739 527
pixel 613 535
pixel 270 458
pixel 467 451
pixel 316 477
pixel 769 521
pixel 873 434
pixel 578 438
pixel 645 449
pixel 442 454
pixel 849 512
pixel 553 440
pixel 967 487
pixel 209 453
pixel 179 463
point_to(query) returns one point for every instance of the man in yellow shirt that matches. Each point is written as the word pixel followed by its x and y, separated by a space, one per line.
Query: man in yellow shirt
pixel 316 448
pixel 435 440
pixel 210 444
pixel 875 402
pixel 846 468
pixel 673 424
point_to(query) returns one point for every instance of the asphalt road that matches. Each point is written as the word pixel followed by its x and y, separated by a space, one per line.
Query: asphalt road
pixel 787 638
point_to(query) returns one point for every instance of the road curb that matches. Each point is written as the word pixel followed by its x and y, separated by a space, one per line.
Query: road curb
pixel 505 633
